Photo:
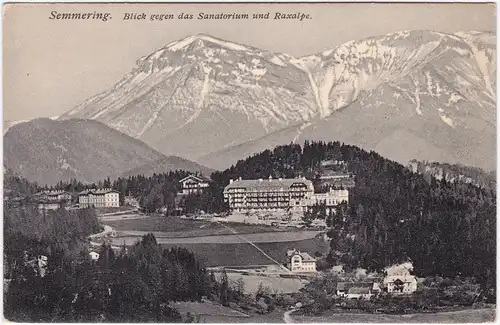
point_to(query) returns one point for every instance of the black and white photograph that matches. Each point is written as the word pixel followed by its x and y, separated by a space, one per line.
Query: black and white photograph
pixel 249 162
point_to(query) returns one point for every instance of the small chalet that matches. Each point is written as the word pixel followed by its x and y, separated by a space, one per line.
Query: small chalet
pixel 39 264
pixel 94 256
pixel 131 201
pixel 193 184
pixel 398 279
pixel 299 262
pixel 337 270
pixel 54 195
pixel 357 290
pixel 52 200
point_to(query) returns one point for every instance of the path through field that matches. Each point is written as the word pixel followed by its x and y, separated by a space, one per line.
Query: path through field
pixel 260 250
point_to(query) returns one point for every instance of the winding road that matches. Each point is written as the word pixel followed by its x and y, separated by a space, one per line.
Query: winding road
pixel 287 316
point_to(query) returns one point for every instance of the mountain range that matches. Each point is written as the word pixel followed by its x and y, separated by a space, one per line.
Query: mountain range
pixel 408 95
pixel 48 151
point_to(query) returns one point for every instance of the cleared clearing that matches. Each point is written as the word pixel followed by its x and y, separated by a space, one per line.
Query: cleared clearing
pixel 207 309
pixel 275 284
pixel 215 244
pixel 177 227
pixel 130 237
pixel 462 316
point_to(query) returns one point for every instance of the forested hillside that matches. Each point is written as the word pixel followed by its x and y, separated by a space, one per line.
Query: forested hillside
pixel 393 214
pixel 133 285
pixel 454 173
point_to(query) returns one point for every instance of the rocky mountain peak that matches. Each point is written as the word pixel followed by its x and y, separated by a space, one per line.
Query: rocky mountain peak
pixel 409 82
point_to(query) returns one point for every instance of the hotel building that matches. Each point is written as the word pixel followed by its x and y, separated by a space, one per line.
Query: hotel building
pixel 256 195
pixel 100 198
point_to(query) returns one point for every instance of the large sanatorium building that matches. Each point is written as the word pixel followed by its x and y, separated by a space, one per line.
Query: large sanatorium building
pixel 273 195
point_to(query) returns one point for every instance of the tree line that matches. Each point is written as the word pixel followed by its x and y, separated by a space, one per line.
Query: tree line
pixel 393 215
pixel 131 284
pixel 134 284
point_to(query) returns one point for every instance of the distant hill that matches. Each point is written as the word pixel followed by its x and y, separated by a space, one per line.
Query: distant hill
pixel 393 214
pixel 166 164
pixel 454 173
pixel 48 151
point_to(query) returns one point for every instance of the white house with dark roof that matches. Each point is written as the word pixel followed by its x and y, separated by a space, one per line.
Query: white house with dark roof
pixel 300 262
pixel 52 199
pixel 193 184
pixel 99 198
pixel 54 195
pixel 357 290
pixel 398 279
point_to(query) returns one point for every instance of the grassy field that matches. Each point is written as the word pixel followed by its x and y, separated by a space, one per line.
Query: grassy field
pixel 206 308
pixel 252 283
pixel 176 227
pixel 246 254
pixel 217 253
pixel 214 313
pixel 274 317
pixel 463 316
pixel 129 237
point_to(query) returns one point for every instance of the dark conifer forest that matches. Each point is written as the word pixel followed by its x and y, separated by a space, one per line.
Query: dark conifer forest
pixel 393 215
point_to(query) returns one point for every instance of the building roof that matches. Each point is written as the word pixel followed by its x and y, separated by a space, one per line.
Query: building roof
pixel 100 191
pixel 337 268
pixel 343 286
pixel 359 290
pixel 305 256
pixel 196 178
pixel 51 193
pixel 402 278
pixel 43 201
pixel 268 183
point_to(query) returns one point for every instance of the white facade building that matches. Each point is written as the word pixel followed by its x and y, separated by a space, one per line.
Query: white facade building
pixel 193 185
pixel 298 262
pixel 271 195
pixel 331 198
pixel 94 256
pixel 100 198
pixel 52 200
pixel 398 279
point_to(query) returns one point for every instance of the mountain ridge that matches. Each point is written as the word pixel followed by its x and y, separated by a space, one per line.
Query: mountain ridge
pixel 48 151
pixel 241 94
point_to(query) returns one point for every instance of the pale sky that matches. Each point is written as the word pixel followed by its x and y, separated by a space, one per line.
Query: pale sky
pixel 50 66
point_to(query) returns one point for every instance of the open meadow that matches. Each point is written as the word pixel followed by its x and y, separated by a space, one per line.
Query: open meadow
pixel 274 284
pixel 241 254
pixel 214 244
pixel 177 227
pixel 462 316
pixel 209 312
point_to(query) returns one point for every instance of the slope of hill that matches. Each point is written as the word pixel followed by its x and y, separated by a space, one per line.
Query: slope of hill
pixel 48 151
pixel 412 94
pixel 166 164
pixel 454 173
pixel 393 214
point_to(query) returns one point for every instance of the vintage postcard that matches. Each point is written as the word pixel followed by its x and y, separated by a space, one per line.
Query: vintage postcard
pixel 249 162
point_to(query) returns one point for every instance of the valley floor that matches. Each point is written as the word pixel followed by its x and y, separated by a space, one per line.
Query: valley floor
pixel 461 316
pixel 215 244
